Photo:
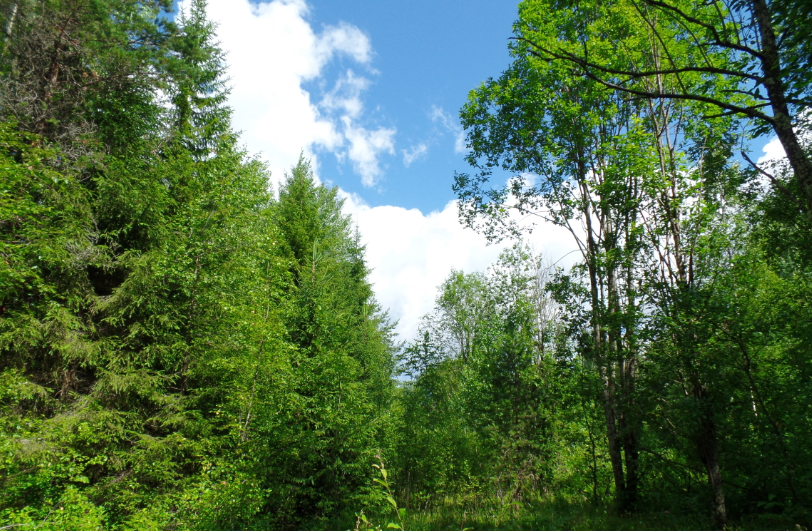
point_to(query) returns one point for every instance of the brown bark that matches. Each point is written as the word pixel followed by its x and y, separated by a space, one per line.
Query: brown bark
pixel 625 432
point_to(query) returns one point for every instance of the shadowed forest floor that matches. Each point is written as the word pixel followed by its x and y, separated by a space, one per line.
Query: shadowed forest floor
pixel 562 516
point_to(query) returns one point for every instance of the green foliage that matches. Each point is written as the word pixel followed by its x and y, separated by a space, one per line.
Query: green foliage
pixel 607 121
pixel 479 414
pixel 167 361
pixel 385 494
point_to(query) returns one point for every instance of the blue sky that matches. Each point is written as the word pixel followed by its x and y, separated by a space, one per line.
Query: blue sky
pixel 429 54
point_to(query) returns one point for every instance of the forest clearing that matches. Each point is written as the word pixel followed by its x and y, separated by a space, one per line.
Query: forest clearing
pixel 189 341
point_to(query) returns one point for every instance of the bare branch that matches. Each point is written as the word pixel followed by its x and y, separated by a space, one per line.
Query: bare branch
pixel 784 190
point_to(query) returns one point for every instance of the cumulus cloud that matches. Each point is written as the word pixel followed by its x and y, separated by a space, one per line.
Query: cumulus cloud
pixel 342 38
pixel 346 95
pixel 411 253
pixel 365 147
pixel 441 117
pixel 773 151
pixel 411 155
pixel 272 50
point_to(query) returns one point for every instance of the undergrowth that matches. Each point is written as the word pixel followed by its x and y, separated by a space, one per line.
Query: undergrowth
pixel 544 513
pixel 558 515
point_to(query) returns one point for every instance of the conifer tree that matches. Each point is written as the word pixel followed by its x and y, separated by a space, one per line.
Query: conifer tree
pixel 341 365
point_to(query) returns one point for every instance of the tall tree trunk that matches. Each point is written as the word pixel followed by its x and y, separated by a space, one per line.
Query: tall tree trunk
pixel 606 369
pixel 603 344
pixel 630 437
pixel 708 453
pixel 624 387
pixel 782 118
pixel 632 428
pixel 613 437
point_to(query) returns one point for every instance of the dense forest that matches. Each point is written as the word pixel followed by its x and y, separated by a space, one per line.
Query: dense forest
pixel 185 346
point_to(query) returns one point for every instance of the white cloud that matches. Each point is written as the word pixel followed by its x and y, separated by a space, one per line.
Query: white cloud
pixel 365 146
pixel 411 253
pixel 411 155
pixel 438 115
pixel 773 151
pixel 272 50
pixel 346 95
pixel 342 38
pixel 459 143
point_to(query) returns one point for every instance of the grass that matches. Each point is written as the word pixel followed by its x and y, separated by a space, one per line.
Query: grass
pixel 547 513
pixel 554 515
